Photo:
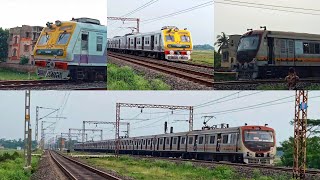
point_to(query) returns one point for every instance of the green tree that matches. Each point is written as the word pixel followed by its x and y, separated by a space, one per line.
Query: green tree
pixel 222 41
pixel 217 60
pixel 4 35
pixel 313 146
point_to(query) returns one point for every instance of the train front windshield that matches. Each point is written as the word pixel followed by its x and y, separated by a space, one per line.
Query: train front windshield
pixel 260 136
pixel 248 43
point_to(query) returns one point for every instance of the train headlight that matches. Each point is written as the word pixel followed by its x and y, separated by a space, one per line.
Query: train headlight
pixel 172 52
pixel 188 52
pixel 60 52
pixel 58 23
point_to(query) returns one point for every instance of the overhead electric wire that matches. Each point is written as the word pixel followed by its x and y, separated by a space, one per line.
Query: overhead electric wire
pixel 265 7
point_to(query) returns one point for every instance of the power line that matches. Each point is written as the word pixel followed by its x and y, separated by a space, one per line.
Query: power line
pixel 265 6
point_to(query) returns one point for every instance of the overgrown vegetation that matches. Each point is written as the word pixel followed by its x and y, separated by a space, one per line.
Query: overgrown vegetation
pixel 160 169
pixel 6 74
pixel 11 166
pixel 124 78
pixel 217 60
pixel 13 144
pixel 203 57
pixel 24 60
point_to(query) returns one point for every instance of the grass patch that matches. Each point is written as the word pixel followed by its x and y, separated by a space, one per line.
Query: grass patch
pixel 12 166
pixel 6 74
pixel 124 78
pixel 313 87
pixel 159 169
pixel 203 57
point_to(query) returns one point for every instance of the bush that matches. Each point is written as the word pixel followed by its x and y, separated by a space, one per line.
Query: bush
pixel 24 60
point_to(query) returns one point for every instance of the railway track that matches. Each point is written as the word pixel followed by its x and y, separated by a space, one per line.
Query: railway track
pixel 76 170
pixel 189 74
pixel 30 83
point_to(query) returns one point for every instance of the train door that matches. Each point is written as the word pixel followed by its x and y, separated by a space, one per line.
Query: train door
pixel 84 54
pixel 218 143
pixel 142 46
pixel 195 147
pixel 119 43
pixel 270 50
pixel 129 43
pixel 152 43
pixel 164 143
pixel 135 43
pixel 290 51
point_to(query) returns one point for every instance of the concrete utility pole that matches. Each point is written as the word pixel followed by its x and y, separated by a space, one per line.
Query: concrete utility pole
pixel 300 135
pixel 142 106
pixel 126 19
pixel 27 131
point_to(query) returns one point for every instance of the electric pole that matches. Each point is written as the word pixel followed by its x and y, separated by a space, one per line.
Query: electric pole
pixel 126 19
pixel 300 134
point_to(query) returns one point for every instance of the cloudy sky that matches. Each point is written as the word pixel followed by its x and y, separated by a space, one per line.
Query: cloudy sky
pixel 37 12
pixel 236 19
pixel 100 106
pixel 199 21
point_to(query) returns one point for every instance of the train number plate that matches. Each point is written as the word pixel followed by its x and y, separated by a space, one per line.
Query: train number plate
pixel 53 73
pixel 178 58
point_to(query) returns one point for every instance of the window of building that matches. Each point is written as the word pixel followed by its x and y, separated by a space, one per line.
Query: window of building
pixel 99 43
pixel 27 34
pixel 16 40
pixel 201 140
pixel 190 140
pixel 26 48
pixel 14 52
pixel 212 139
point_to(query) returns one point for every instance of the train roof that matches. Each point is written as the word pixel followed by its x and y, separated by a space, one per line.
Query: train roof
pixel 284 34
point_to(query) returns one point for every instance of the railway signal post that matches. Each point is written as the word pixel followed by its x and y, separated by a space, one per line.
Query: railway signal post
pixel 142 106
pixel 27 132
pixel 300 134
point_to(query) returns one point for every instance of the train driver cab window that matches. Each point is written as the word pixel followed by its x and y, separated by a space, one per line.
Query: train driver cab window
pixel 63 38
pixel 44 39
pixel 99 43
pixel 201 140
pixel 185 38
pixel 225 139
pixel 170 38
pixel 212 139
pixel 183 139
pixel 190 140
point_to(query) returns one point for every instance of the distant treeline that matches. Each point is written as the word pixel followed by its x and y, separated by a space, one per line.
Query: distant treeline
pixel 203 47
pixel 13 144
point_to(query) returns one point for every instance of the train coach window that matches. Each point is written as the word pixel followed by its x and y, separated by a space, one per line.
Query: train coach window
pixel 201 140
pixel 175 140
pixel 161 141
pixel 183 139
pixel 317 48
pixel 99 43
pixel 212 139
pixel 225 139
pixel 167 141
pixel 190 140
pixel 306 48
pixel 148 141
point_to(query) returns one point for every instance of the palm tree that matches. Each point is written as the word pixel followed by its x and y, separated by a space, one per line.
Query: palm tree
pixel 222 41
